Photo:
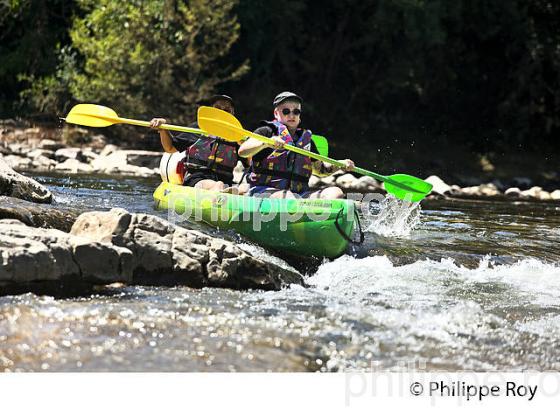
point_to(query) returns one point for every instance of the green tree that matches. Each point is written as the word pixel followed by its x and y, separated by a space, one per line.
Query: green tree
pixel 157 56
pixel 30 31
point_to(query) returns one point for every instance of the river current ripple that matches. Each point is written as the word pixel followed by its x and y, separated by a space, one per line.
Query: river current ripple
pixel 450 285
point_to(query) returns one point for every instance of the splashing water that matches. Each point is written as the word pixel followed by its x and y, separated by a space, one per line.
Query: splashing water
pixel 394 218
pixel 356 280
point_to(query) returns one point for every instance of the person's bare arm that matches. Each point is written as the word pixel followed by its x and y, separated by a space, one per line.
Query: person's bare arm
pixel 165 137
pixel 253 146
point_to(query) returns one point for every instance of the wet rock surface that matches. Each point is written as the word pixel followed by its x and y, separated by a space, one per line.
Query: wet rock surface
pixel 38 259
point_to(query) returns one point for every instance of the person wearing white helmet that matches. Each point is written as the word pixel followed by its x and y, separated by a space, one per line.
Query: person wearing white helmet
pixel 277 172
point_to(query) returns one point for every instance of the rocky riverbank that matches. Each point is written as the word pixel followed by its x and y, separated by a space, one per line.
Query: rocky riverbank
pixel 496 190
pixel 107 247
pixel 47 250
pixel 37 215
pixel 46 150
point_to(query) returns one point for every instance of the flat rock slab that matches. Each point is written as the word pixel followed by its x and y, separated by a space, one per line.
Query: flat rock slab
pixel 116 246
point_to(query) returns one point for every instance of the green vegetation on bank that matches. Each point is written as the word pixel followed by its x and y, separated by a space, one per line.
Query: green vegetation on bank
pixel 413 75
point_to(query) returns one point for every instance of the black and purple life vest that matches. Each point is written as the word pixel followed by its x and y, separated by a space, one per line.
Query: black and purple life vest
pixel 284 169
pixel 214 154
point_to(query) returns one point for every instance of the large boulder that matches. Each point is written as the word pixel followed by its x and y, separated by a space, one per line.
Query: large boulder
pixel 41 160
pixel 89 154
pixel 31 257
pixel 18 148
pixel 168 254
pixel 63 154
pixel 73 166
pixel 108 149
pixel 483 190
pixel 18 162
pixel 42 163
pixel 365 183
pixel 40 152
pixel 489 189
pixel 513 192
pixel 18 186
pixel 346 181
pixel 536 192
pixel 50 145
pixel 139 158
pixel 314 181
pixel 331 179
pixel 116 246
pixel 117 162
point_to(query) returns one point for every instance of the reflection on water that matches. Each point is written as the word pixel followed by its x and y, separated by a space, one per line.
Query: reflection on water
pixel 473 286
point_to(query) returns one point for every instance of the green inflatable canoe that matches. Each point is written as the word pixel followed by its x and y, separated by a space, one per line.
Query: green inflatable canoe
pixel 311 227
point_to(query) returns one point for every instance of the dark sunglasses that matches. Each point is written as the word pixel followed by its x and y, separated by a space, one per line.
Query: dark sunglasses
pixel 287 111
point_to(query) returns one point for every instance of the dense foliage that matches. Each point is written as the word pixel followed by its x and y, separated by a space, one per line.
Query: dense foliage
pixel 391 74
pixel 143 56
pixel 31 31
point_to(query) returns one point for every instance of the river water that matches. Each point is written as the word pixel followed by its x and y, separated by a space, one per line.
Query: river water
pixel 450 285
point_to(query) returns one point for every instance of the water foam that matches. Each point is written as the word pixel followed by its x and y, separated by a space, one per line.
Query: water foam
pixel 464 313
pixel 395 218
pixel 428 281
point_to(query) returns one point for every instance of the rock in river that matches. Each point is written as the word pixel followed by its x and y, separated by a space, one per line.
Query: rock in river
pixel 41 259
pixel 116 246
pixel 18 186
pixel 166 253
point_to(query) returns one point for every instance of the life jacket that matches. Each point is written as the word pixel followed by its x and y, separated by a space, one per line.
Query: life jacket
pixel 212 154
pixel 284 169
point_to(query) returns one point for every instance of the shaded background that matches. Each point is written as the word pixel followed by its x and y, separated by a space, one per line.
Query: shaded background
pixel 464 89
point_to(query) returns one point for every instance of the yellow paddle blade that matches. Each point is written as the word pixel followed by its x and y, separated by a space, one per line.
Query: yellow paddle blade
pixel 92 115
pixel 221 124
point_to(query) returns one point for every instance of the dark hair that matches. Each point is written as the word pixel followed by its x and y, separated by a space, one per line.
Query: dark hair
pixel 220 97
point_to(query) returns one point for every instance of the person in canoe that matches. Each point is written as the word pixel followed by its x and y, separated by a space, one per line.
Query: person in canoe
pixel 209 161
pixel 279 173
